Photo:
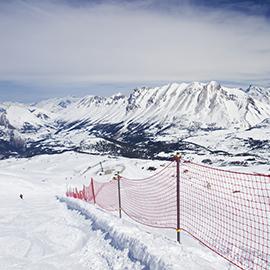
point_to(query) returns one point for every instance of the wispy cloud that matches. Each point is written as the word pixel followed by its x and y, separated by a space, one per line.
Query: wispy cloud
pixel 128 42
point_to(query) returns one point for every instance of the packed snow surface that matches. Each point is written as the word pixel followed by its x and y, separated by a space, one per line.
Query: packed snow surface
pixel 48 231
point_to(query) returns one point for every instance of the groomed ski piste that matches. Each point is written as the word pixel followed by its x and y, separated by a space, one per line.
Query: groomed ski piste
pixel 46 230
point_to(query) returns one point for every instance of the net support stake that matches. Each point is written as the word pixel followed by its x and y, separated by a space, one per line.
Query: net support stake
pixel 93 190
pixel 119 194
pixel 177 159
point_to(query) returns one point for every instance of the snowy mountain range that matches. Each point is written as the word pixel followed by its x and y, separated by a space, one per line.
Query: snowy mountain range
pixel 144 124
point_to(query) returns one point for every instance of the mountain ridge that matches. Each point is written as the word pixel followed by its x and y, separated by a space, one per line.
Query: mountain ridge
pixel 161 114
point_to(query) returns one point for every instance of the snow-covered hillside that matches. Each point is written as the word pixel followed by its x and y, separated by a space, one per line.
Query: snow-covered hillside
pixel 259 93
pixel 185 105
pixel 145 123
pixel 41 232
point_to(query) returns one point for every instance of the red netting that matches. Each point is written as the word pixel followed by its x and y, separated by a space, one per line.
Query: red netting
pixel 106 195
pixel 229 212
pixel 151 201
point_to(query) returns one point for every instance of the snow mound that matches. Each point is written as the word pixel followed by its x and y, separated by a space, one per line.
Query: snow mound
pixel 152 251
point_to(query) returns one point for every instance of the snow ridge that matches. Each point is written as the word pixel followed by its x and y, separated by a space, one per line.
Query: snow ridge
pixel 149 249
pixel 120 238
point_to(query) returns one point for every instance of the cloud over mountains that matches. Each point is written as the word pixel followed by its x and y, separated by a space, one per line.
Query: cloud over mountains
pixel 116 41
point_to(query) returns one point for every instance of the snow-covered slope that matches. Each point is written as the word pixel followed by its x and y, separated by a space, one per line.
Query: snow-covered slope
pixel 55 105
pixel 95 109
pixel 40 232
pixel 259 93
pixel 196 104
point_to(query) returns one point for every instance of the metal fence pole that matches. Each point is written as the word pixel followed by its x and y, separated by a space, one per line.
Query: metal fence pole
pixel 177 159
pixel 119 195
pixel 93 190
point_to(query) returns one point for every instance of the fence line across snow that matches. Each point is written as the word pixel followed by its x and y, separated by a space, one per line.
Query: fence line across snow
pixel 229 212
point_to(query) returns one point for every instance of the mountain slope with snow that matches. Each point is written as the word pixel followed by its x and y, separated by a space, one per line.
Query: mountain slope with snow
pixel 259 93
pixel 148 117
pixel 209 105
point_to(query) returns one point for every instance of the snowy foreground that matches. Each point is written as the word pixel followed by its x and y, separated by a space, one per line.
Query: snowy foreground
pixel 49 231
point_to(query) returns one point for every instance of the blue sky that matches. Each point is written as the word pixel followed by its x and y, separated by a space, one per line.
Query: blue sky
pixel 56 48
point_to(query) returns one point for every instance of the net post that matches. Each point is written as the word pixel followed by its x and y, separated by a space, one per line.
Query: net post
pixel 83 193
pixel 177 160
pixel 119 194
pixel 93 190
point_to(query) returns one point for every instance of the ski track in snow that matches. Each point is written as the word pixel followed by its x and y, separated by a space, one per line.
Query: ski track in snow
pixel 40 232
